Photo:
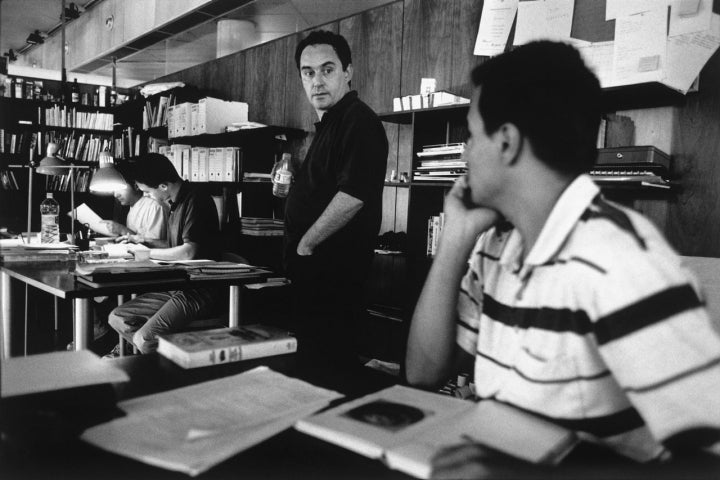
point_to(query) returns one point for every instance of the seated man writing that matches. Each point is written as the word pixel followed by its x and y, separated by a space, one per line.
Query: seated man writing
pixel 192 233
pixel 570 306
pixel 146 220
pixel 147 224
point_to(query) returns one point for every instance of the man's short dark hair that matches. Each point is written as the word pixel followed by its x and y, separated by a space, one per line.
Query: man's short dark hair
pixel 545 89
pixel 152 169
pixel 325 37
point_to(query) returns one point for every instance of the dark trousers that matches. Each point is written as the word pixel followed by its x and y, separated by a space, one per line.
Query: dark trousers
pixel 328 302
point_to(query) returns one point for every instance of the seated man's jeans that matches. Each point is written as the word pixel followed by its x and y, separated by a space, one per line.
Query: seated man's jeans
pixel 151 314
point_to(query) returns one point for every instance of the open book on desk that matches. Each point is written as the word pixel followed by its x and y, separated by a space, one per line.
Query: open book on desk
pixel 407 427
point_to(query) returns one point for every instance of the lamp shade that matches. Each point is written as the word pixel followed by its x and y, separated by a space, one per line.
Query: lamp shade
pixel 107 179
pixel 51 164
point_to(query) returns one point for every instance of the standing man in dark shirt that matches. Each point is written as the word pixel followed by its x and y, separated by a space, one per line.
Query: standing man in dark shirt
pixel 192 233
pixel 334 209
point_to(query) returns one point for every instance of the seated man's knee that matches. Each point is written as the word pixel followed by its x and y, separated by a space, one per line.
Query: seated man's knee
pixel 116 322
pixel 145 345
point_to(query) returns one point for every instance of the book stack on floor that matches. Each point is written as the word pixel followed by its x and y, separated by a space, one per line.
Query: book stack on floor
pixel 407 427
pixel 224 345
pixel 440 163
pixel 262 227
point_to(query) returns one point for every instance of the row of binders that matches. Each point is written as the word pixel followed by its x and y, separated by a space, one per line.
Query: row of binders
pixel 208 115
pixel 63 116
pixel 205 164
pixel 440 163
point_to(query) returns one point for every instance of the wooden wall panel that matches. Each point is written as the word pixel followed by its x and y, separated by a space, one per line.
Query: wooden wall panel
pixel 264 83
pixel 427 44
pixel 375 39
pixel 466 23
pixel 694 220
pixel 225 77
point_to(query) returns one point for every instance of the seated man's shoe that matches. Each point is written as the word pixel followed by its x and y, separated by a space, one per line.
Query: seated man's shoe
pixel 114 353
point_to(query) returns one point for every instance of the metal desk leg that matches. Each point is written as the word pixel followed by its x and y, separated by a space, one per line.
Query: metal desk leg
pixel 5 314
pixel 235 302
pixel 82 323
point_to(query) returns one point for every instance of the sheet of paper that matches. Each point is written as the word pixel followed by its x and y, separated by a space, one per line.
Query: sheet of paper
pixel 640 47
pixel 531 23
pixel 47 372
pixel 543 20
pixel 687 54
pixel 87 215
pixel 495 24
pixel 193 428
pixel 690 16
pixel 624 8
pixel 599 58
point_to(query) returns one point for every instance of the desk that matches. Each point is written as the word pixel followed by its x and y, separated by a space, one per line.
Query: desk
pixel 291 454
pixel 57 279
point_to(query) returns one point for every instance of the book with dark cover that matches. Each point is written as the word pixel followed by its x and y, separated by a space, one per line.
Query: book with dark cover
pixel 224 345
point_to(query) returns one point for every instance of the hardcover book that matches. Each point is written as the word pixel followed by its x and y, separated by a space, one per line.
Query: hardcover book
pixel 407 427
pixel 223 345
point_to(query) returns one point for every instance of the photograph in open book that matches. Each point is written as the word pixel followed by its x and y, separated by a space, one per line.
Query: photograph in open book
pixel 390 416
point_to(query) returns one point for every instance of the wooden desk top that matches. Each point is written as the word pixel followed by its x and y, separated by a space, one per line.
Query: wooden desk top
pixel 57 279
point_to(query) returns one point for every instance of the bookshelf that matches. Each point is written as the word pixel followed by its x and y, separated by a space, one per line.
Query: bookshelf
pixel 26 122
pixel 141 127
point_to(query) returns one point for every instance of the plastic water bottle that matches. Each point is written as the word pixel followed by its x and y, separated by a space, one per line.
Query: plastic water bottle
pixel 49 228
pixel 282 177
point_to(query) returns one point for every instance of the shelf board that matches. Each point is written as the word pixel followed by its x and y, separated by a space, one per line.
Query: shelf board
pixel 45 103
pixel 406 116
pixel 433 184
pixel 209 139
pixel 70 129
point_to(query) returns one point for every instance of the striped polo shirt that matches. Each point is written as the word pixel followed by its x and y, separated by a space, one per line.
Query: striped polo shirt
pixel 600 329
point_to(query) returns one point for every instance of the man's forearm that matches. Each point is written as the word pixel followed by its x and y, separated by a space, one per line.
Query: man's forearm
pixel 341 209
pixel 432 354
pixel 186 251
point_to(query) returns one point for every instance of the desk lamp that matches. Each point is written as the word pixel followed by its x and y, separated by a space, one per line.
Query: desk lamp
pixel 53 164
pixel 106 179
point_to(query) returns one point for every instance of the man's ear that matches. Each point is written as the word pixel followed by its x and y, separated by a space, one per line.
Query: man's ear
pixel 163 187
pixel 511 142
pixel 348 73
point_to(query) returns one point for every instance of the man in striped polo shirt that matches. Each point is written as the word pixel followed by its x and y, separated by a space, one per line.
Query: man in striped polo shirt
pixel 572 307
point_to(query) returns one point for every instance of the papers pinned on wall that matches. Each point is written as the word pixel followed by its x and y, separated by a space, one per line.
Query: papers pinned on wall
pixel 666 41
